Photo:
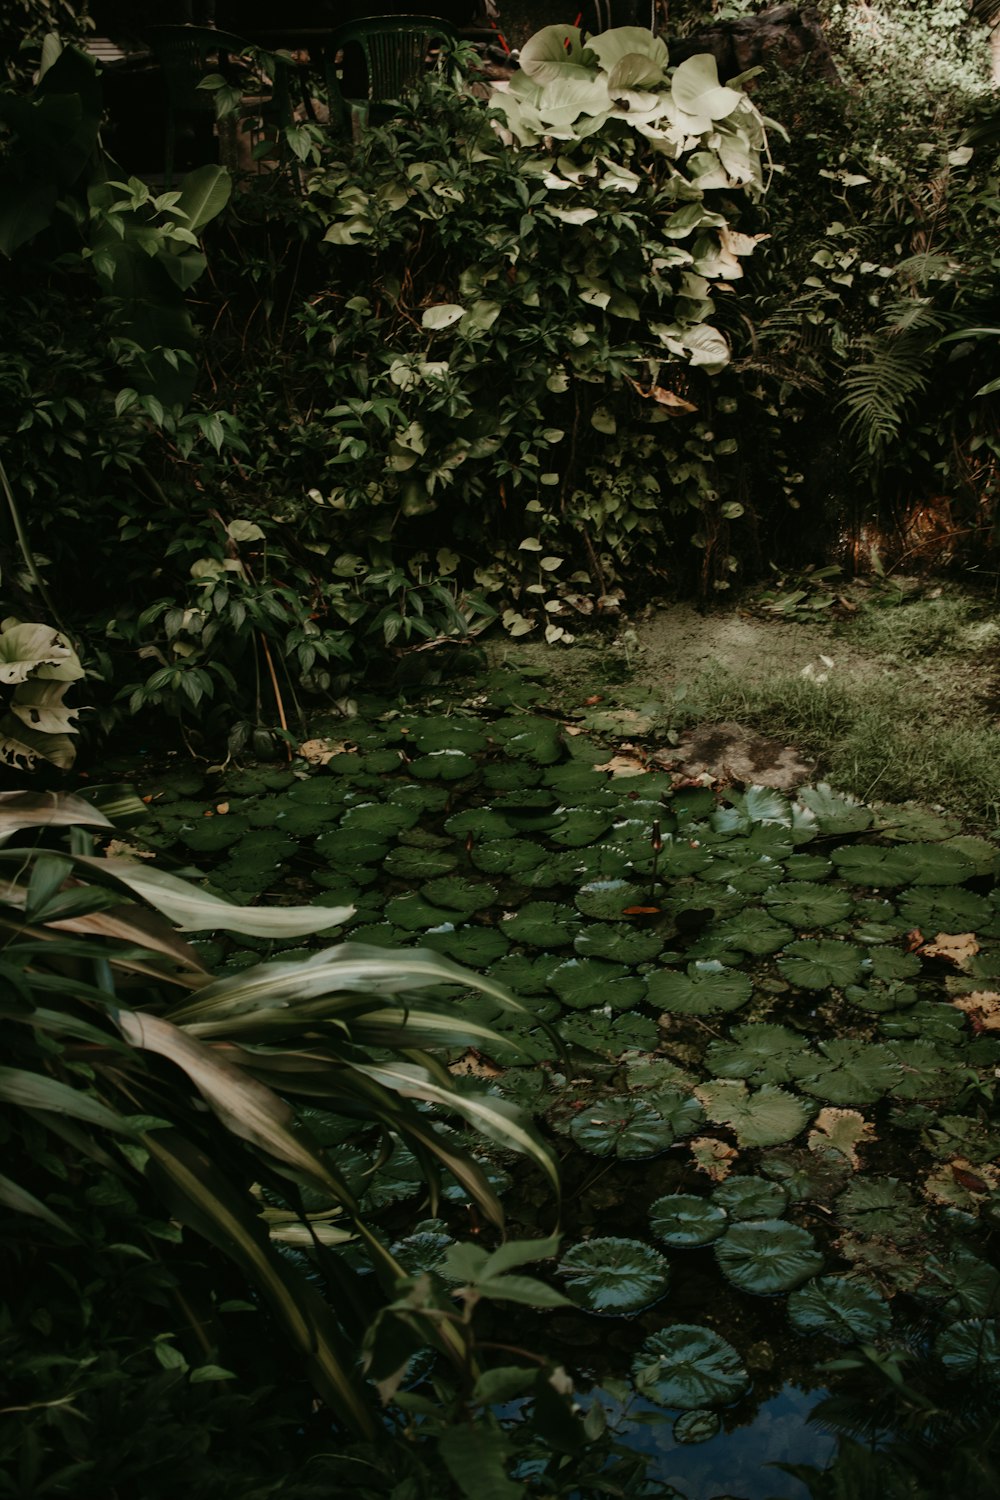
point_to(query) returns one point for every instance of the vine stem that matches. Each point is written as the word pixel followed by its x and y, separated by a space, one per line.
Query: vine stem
pixel 26 552
pixel 277 692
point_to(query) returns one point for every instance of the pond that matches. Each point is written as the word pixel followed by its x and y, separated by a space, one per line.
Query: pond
pixel 762 1031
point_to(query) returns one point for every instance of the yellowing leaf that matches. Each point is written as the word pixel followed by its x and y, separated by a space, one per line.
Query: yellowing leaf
pixel 955 947
pixel 982 1008
pixel 840 1130
pixel 713 1157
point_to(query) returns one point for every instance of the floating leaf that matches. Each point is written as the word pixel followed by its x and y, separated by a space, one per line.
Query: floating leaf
pixel 751 931
pixel 607 1033
pixel 840 1131
pixel 751 1198
pixel 818 964
pixel 610 1275
pixel 458 894
pixel 511 857
pixel 840 1308
pixel 707 986
pixel 879 1206
pixel 768 1256
pixel 767 1117
pixel 948 909
pixel 835 813
pixel 608 899
pixel 803 904
pixel 759 1051
pixel 618 943
pixel 690 1367
pixel 686 1221
pixel 872 865
pixel 696 1426
pixel 541 924
pixel 627 1128
pixel 847 1072
pixel 582 983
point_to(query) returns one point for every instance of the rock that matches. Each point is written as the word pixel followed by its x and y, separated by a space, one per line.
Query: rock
pixel 731 752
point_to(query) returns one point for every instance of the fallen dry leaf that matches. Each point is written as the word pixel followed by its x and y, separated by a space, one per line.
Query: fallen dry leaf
pixel 841 1130
pixel 318 752
pixel 954 947
pixel 959 1184
pixel 120 848
pixel 713 1157
pixel 473 1064
pixel 624 765
pixel 982 1008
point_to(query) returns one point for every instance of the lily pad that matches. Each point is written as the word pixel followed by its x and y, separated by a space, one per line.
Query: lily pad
pixel 749 930
pixel 607 900
pixel 690 1367
pixel 944 909
pixel 459 895
pixel 880 1206
pixel 583 983
pixel 382 819
pixel 476 946
pixel 696 1426
pixel 541 924
pixel 768 1116
pixel 750 1198
pixel 608 1033
pixel 835 813
pixel 686 1222
pixel 511 857
pixel 759 1051
pixel 407 863
pixel 804 904
pixel 873 865
pixel 707 986
pixel 621 1126
pixel 611 1275
pixel 482 823
pixel 768 1256
pixel 841 1308
pixel 582 826
pixel 414 914
pixel 818 964
pixel 619 942
pixel 443 765
pixel 845 1071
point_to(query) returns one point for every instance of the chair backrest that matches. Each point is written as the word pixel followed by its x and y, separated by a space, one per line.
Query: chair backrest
pixel 186 54
pixel 394 48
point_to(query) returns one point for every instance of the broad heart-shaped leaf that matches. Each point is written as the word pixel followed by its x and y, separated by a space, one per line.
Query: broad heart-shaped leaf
pixel 611 1275
pixel 688 1366
pixel 803 904
pixel 750 1198
pixel 541 924
pixel 880 1206
pixel 845 1071
pixel 706 987
pixel 610 47
pixel 686 1221
pixel 31 650
pixel 697 90
pixel 767 1117
pixel 948 908
pixel 609 1034
pixel 582 983
pixel 555 53
pixel 762 1052
pixel 938 864
pixel 767 1256
pixel 618 942
pixel 204 194
pixel 926 1071
pixel 443 765
pixel 749 930
pixel 507 856
pixel 835 813
pixel 458 894
pixel 872 865
pixel 582 826
pixel 841 1308
pixel 818 964
pixel 624 1127
pixel 970 1349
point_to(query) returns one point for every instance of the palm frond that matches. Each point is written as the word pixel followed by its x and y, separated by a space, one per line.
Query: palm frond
pixel 879 391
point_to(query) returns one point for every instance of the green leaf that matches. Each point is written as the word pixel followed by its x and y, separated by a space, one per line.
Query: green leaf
pixel 970 1349
pixel 696 88
pixel 686 1221
pixel 696 1426
pixel 585 982
pixel 204 194
pixel 706 987
pixel 767 1117
pixel 768 1256
pixel 803 904
pixel 762 1052
pixel 36 1091
pixel 541 924
pixel 840 1308
pixel 616 1276
pixel 880 1206
pixel 835 813
pixel 750 1198
pixel 627 1128
pixel 847 1072
pixel 819 964
pixel 690 1367
pixel 475 1455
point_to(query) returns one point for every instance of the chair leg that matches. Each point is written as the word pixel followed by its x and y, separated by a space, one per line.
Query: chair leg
pixel 359 119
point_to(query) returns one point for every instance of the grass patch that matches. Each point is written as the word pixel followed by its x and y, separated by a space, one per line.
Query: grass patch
pixel 869 735
pixel 951 623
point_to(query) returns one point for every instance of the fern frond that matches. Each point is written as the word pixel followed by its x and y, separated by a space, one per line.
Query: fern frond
pixel 880 390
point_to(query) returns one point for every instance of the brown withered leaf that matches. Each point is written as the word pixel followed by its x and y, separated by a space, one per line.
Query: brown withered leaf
pixel 982 1008
pixel 959 1184
pixel 954 947
pixel 841 1131
pixel 713 1157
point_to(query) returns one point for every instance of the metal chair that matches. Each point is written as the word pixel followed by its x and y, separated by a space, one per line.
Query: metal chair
pixel 393 52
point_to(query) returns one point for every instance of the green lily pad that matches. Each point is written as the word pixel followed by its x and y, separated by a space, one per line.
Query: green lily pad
pixel 944 909
pixel 621 1126
pixel 970 1349
pixel 767 1256
pixel 504 776
pixel 608 1034
pixel 881 996
pixel 680 857
pixel 892 963
pixel 523 975
pixel 531 738
pixel 818 964
pixel 844 1071
pixel 443 765
pixel 925 1071
pixel 511 857
pixel 802 903
pixel 302 821
pixel 750 931
pixel 618 943
pixel 938 864
pixel 911 821
pixel 686 1222
pixel 434 735
pixel 707 986
pixel 210 835
pixel 583 983
pixel 696 1426
pixel 414 914
pixel 929 1021
pixel 840 1308
pixel 880 1206
pixel 424 795
pixel 873 865
pixel 582 826
pixel 751 1198
pixel 345 850
pixel 478 947
pixel 382 819
pixel 458 894
pixel 616 1276
pixel 481 823
pixel 554 870
pixel 408 863
pixel 759 1050
pixel 835 813
pixel 744 870
pixel 608 899
pixel 541 924
pixel 690 1367
pixel 768 1116
pixel 809 867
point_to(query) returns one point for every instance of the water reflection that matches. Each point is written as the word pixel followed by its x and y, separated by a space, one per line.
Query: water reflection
pixel 732 1464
